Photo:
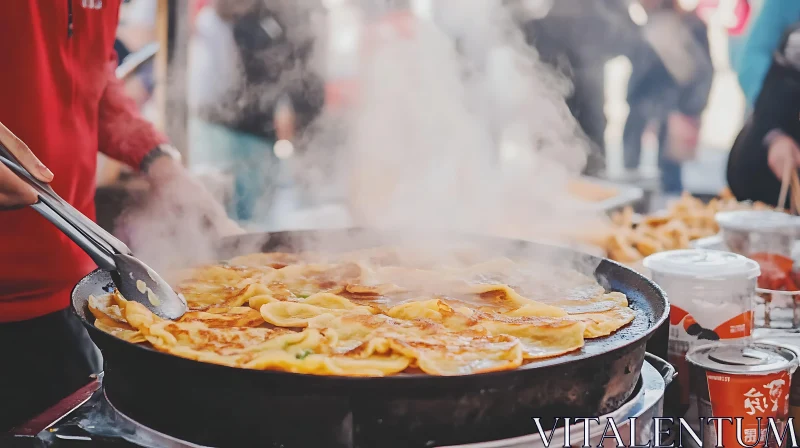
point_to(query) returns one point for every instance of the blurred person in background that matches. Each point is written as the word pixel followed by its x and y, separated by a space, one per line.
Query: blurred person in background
pixel 743 15
pixel 67 106
pixel 669 85
pixel 767 146
pixel 740 19
pixel 736 16
pixel 251 84
pixel 763 40
pixel 136 30
pixel 578 38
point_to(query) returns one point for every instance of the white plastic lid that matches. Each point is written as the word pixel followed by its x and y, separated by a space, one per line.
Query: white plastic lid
pixel 703 264
pixel 758 221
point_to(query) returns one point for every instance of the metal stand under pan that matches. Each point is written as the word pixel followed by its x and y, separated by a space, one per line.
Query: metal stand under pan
pixel 145 436
pixel 645 403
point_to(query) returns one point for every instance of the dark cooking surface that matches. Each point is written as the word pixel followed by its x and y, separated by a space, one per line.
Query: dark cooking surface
pixel 224 406
pixel 95 423
pixel 632 284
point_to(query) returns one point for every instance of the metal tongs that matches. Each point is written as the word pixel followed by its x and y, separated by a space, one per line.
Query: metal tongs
pixel 132 277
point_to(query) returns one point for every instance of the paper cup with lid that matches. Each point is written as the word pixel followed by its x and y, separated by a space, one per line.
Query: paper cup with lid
pixel 747 232
pixel 711 295
pixel 750 382
pixel 711 292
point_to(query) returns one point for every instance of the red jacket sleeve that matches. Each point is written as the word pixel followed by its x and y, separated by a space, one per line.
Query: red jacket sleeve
pixel 124 134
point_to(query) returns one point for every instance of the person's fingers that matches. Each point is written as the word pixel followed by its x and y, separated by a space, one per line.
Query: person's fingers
pixel 14 192
pixel 284 119
pixel 190 200
pixel 223 226
pixel 24 155
pixel 776 167
pixel 229 227
pixel 284 128
pixel 777 158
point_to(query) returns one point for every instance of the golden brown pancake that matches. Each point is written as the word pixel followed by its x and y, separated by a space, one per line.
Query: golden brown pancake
pixel 373 313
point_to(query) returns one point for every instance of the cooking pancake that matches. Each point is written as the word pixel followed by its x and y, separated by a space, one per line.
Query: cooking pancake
pixel 229 346
pixel 256 348
pixel 540 336
pixel 352 316
pixel 602 315
pixel 106 306
pixel 110 317
pixel 120 330
pixel 298 313
pixel 605 323
pixel 124 332
pixel 218 285
pixel 429 345
pixel 225 317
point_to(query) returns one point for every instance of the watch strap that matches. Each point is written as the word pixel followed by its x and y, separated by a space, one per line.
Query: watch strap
pixel 158 152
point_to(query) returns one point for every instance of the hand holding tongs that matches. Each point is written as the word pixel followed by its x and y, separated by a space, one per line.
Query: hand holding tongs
pixel 134 279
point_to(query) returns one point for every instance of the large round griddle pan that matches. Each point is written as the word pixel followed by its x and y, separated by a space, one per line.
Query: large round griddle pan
pixel 221 406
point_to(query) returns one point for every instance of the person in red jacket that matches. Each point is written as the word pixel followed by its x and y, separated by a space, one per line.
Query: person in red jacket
pixel 60 96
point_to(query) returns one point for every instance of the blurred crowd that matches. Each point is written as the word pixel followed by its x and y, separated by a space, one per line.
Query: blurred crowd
pixel 256 84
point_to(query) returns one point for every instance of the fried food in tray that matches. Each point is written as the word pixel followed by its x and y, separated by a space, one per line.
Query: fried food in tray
pixel 591 192
pixel 684 221
pixel 371 313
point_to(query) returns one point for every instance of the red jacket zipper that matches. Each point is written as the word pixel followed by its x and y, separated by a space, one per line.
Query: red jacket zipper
pixel 69 18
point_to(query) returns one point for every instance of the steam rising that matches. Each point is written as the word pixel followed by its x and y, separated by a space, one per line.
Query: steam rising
pixel 457 126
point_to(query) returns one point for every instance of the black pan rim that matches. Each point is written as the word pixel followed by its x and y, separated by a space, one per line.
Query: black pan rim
pixel 407 378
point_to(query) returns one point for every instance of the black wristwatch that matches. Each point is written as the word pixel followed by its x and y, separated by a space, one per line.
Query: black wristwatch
pixel 165 150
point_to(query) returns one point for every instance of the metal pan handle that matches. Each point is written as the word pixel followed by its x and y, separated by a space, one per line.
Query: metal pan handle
pixel 23 434
pixel 664 368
